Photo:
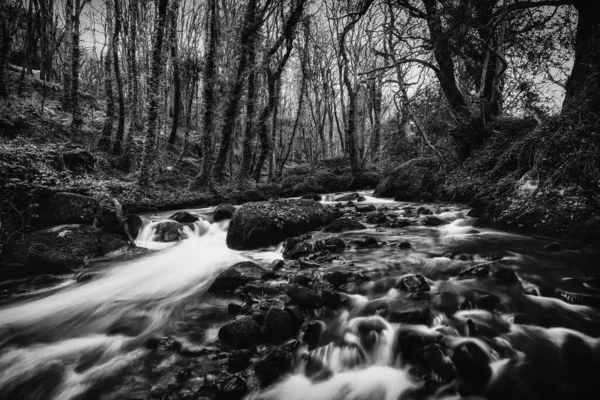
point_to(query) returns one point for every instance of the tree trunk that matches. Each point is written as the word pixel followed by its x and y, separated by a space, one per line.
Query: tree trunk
pixel 67 65
pixel 154 93
pixel 117 147
pixel 135 125
pixel 377 100
pixel 176 73
pixel 104 142
pixel 74 97
pixel 244 172
pixel 203 180
pixel 46 34
pixel 4 49
pixel 247 38
pixel 583 86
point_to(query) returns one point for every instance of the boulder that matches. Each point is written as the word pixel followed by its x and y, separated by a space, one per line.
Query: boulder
pixel 303 297
pixel 364 208
pixel 413 283
pixel 313 332
pixel 277 325
pixel 305 263
pixel 312 196
pixel 348 197
pixel 336 278
pixel 134 224
pixel 67 208
pixel 554 246
pixel 435 221
pixel 334 242
pixel 184 217
pixel 42 259
pixel 367 241
pixel 476 212
pixel 301 246
pixel 385 188
pixel 234 388
pixel 402 195
pixel 267 223
pixel 241 333
pixel 404 245
pixel 223 211
pixel 472 364
pixel 169 231
pixel 71 241
pixel 344 224
pixel 237 275
pixel 273 365
pixel 239 360
pixel 377 218
pixel 299 189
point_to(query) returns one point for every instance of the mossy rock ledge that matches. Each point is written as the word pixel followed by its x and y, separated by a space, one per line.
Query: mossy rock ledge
pixel 266 223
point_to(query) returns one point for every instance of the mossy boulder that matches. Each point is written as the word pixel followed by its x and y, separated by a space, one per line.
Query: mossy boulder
pixel 411 178
pixel 267 223
pixel 223 211
pixel 237 275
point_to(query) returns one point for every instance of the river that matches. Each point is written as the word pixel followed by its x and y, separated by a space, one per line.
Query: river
pixel 144 326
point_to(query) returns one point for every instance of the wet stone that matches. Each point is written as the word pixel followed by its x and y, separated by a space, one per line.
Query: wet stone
pixel 235 388
pixel 435 221
pixel 307 264
pixel 271 367
pixel 365 208
pixel 336 278
pixel 479 271
pixel 552 247
pixel 277 325
pixel 404 245
pixel 303 297
pixel 239 360
pixel 242 332
pixel 505 274
pixel 413 283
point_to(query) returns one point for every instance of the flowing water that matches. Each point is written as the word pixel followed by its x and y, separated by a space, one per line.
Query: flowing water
pixel 69 340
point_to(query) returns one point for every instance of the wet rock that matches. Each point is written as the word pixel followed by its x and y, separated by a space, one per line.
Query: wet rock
pixel 295 313
pixel 338 243
pixel 433 356
pixel 170 231
pixel 361 199
pixel 299 189
pixel 313 332
pixel 134 224
pixel 302 279
pixel 367 241
pixel 348 197
pixel 344 224
pixel 235 388
pixel 42 259
pixel 472 364
pixel 234 308
pixel 274 365
pixel 237 275
pixel 184 217
pixel 312 196
pixel 435 221
pixel 424 211
pixel 413 283
pixel 384 189
pixel 301 246
pixel 473 232
pixel 331 299
pixel 554 246
pixel 336 278
pixel 242 332
pixel 303 297
pixel 378 218
pixel 418 314
pixel 165 343
pixel 404 245
pixel 239 360
pixel 277 265
pixel 207 391
pixel 259 289
pixel 399 223
pixel 307 264
pixel 259 316
pixel 266 223
pixel 222 212
pixel 505 274
pixel 277 325
pixel 479 271
pixel 581 291
pixel 409 342
pixel 365 208
pixel 401 195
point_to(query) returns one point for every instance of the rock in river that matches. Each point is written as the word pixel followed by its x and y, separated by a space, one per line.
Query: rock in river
pixel 237 275
pixel 223 211
pixel 344 224
pixel 270 222
pixel 241 333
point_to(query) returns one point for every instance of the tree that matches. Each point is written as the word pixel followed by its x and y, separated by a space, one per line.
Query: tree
pixel 117 146
pixel 176 74
pixel 135 125
pixel 104 142
pixel 154 93
pixel 203 179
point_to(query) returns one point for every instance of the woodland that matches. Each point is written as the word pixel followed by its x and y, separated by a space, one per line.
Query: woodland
pixel 160 104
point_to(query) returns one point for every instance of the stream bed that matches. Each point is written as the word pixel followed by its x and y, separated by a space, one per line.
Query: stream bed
pixel 422 311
